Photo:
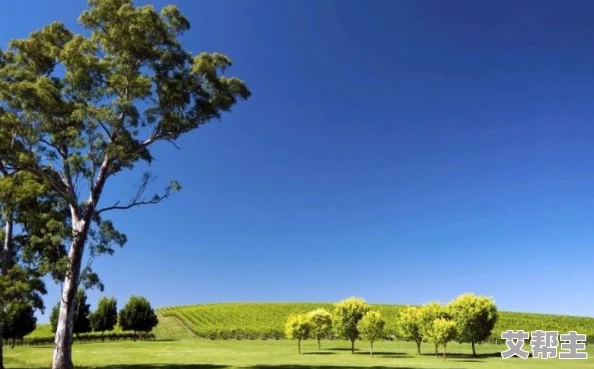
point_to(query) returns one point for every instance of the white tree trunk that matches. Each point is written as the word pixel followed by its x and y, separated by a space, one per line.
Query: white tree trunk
pixel 5 264
pixel 63 341
pixel 7 251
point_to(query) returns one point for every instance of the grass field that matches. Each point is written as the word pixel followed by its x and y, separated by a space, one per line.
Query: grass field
pixel 178 348
pixel 194 353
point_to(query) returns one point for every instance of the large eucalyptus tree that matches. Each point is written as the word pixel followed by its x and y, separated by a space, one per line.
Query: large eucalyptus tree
pixel 78 109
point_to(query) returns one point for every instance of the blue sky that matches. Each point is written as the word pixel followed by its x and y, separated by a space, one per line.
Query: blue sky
pixel 402 151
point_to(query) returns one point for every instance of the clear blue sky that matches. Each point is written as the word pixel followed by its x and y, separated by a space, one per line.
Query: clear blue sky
pixel 402 151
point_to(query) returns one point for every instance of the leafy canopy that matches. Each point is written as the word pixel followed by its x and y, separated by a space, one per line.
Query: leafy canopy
pixel 138 315
pixel 429 312
pixel 347 314
pixel 475 315
pixel 78 109
pixel 371 326
pixel 105 317
pixel 82 322
pixel 410 323
pixel 444 331
pixel 297 326
pixel 19 321
pixel 321 323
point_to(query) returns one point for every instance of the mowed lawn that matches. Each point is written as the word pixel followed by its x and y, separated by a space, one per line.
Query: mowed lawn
pixel 177 348
pixel 193 353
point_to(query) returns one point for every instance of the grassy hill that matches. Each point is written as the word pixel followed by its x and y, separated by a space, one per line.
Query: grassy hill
pixel 266 320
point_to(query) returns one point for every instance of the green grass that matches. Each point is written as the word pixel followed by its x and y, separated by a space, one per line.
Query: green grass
pixel 176 347
pixel 256 320
pixel 194 353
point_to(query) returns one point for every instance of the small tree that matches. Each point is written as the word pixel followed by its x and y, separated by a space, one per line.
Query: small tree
pixel 410 324
pixel 19 321
pixel 54 317
pixel 138 316
pixel 444 331
pixel 430 312
pixel 476 317
pixel 105 317
pixel 346 315
pixel 371 328
pixel 298 327
pixel 82 323
pixel 321 324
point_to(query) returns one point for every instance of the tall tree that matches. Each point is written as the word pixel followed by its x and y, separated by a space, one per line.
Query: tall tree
pixel 138 316
pixel 346 315
pixel 475 317
pixel 298 327
pixel 105 317
pixel 321 324
pixel 79 109
pixel 371 328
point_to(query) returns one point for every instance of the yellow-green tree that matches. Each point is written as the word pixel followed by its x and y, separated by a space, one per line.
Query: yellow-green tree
pixel 298 327
pixel 371 328
pixel 475 317
pixel 442 332
pixel 429 312
pixel 410 324
pixel 321 324
pixel 346 315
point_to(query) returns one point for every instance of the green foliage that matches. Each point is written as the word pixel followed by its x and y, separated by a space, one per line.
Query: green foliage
pixel 475 316
pixel 54 317
pixel 82 323
pixel 371 327
pixel 105 317
pixel 410 324
pixel 79 108
pixel 346 315
pixel 266 320
pixel 321 324
pixel 18 322
pixel 443 331
pixel 298 327
pixel 138 315
pixel 43 335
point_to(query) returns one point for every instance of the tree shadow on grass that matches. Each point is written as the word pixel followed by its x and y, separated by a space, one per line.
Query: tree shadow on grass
pixel 213 366
pixel 384 354
pixel 466 356
pixel 158 366
pixel 342 349
pixel 319 353
pixel 291 366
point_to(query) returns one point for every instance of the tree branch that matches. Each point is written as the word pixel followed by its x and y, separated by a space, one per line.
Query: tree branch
pixel 137 200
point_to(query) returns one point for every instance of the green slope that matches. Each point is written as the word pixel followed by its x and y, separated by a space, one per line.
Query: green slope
pixel 266 320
